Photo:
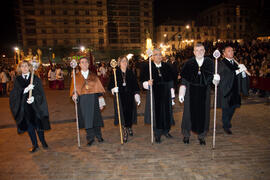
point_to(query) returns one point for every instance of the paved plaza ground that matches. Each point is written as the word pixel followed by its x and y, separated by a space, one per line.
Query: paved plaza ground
pixel 243 155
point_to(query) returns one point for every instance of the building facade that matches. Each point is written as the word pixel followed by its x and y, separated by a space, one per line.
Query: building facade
pixel 98 24
pixel 176 35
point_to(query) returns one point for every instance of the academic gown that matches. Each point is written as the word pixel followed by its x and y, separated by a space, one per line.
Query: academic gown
pixel 36 113
pixel 196 113
pixel 162 100
pixel 231 85
pixel 127 104
pixel 88 90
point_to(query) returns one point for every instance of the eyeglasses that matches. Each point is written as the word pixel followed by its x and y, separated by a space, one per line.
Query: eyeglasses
pixel 157 55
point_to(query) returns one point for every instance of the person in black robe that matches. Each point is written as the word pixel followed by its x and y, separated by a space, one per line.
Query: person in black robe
pixel 163 95
pixel 197 75
pixel 30 114
pixel 233 82
pixel 128 90
pixel 89 91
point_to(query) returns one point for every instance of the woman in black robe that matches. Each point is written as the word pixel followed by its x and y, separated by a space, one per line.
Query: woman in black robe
pixel 128 89
pixel 30 114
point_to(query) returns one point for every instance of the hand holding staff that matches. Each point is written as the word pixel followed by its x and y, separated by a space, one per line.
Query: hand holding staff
pixel 73 64
pixel 246 71
pixel 113 65
pixel 35 65
pixel 216 54
pixel 150 53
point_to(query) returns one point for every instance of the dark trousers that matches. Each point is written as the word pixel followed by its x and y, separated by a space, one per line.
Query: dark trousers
pixel 91 133
pixel 160 132
pixel 227 114
pixel 186 134
pixel 32 133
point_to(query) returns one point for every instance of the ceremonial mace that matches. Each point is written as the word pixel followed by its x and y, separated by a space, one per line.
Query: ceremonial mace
pixel 113 64
pixel 216 55
pixel 246 71
pixel 73 64
pixel 150 53
pixel 35 65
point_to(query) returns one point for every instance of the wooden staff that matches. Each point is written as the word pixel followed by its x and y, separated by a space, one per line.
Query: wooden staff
pixel 216 54
pixel 73 64
pixel 150 53
pixel 113 65
pixel 35 65
pixel 246 71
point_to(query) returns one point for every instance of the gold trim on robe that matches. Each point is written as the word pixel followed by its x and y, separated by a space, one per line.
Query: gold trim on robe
pixel 91 85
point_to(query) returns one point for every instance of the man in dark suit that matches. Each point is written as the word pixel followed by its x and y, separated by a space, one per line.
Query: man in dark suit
pixel 233 81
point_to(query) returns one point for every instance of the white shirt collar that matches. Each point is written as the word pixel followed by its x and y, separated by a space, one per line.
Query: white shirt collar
pixel 85 74
pixel 158 65
pixel 199 61
pixel 27 75
pixel 229 59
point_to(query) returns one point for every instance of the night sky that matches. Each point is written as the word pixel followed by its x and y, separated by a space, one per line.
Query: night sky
pixel 163 10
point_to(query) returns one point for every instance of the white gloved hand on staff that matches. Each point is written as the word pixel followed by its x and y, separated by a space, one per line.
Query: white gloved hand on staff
pixel 30 100
pixel 182 92
pixel 216 79
pixel 146 84
pixel 137 99
pixel 115 90
pixel 173 96
pixel 74 97
pixel 242 68
pixel 101 102
pixel 28 88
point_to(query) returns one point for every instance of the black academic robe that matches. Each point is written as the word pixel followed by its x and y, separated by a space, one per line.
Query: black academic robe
pixel 127 104
pixel 231 85
pixel 162 100
pixel 36 113
pixel 196 113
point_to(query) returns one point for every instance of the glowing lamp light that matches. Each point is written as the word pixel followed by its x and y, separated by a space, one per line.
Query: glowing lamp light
pixel 129 56
pixel 82 48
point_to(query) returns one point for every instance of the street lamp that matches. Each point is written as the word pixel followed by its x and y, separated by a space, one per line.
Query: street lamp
pixel 187 26
pixel 82 48
pixel 17 51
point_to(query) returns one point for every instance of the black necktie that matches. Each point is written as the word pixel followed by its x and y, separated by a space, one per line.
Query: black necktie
pixel 232 62
pixel 25 77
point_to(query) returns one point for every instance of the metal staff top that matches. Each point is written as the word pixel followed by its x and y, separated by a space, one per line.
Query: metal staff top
pixel 216 54
pixel 73 63
pixel 113 63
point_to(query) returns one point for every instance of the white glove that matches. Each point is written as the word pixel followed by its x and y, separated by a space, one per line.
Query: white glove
pixel 74 97
pixel 145 85
pixel 101 102
pixel 242 68
pixel 115 90
pixel 173 103
pixel 182 93
pixel 30 100
pixel 216 79
pixel 172 93
pixel 28 88
pixel 137 99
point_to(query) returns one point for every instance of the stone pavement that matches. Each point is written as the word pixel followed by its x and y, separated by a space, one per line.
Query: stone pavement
pixel 244 155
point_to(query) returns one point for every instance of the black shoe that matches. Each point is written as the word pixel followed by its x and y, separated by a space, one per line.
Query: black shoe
pixel 157 140
pixel 100 139
pixel 34 149
pixel 125 135
pixel 89 143
pixel 45 145
pixel 168 135
pixel 228 131
pixel 130 132
pixel 186 140
pixel 202 142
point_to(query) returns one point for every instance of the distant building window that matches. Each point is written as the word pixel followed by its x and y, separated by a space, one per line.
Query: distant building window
pixel 87 12
pixel 52 1
pixel 172 29
pixel 28 2
pixel 100 22
pixel 146 14
pixel 30 22
pixel 99 3
pixel 179 29
pixel 65 30
pixel 100 30
pixel 65 21
pixel 42 12
pixel 76 12
pixel 87 21
pixel 65 12
pixel 75 1
pixel 101 41
pixel 29 12
pixel 77 30
pixel 43 31
pixel 54 31
pixel 55 42
pixel 78 41
pixel 99 13
pixel 44 42
pixel 88 31
pixel 31 42
pixel 165 29
pixel 30 31
pixel 53 12
pixel 77 21
pixel 86 2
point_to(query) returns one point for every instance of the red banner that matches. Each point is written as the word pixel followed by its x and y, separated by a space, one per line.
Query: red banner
pixel 260 83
